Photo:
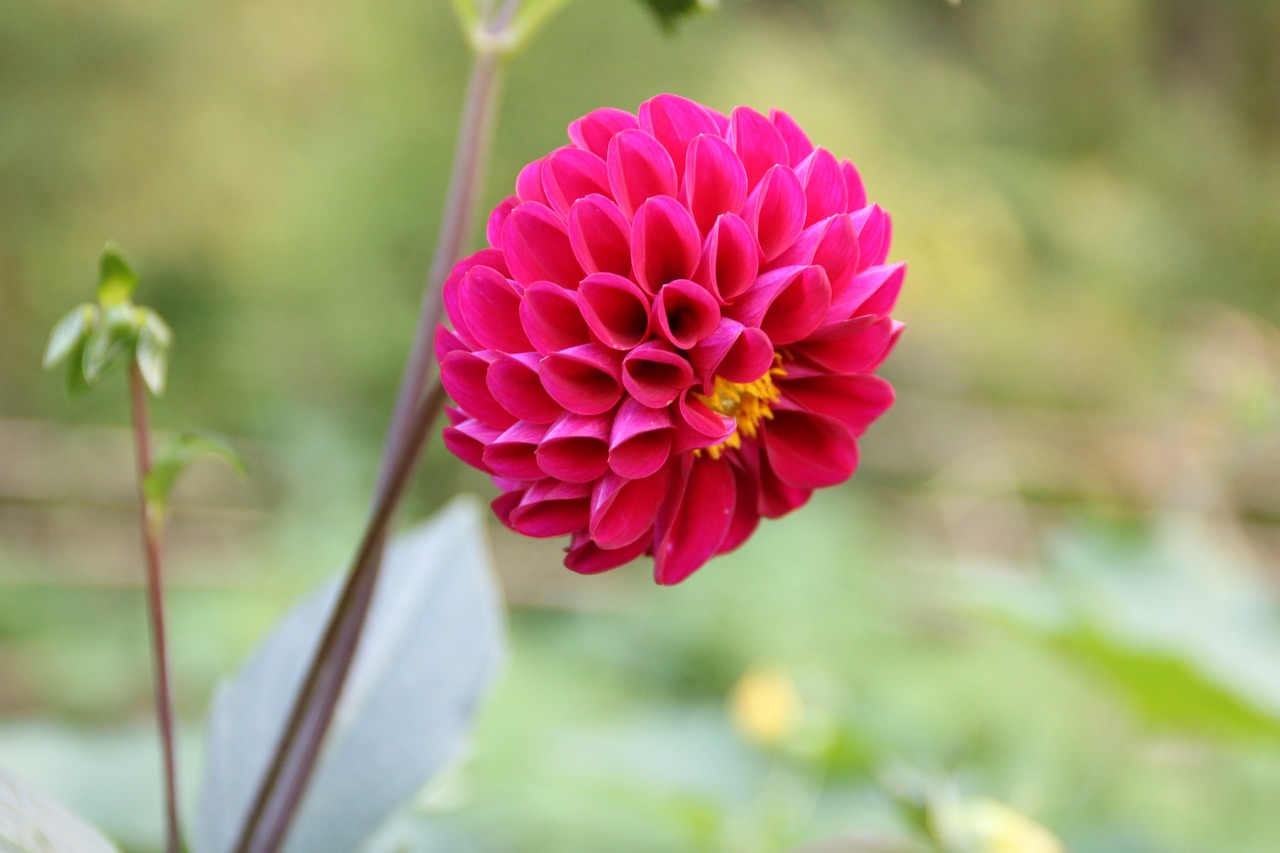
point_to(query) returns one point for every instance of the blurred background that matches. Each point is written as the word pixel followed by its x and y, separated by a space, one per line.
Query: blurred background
pixel 1053 582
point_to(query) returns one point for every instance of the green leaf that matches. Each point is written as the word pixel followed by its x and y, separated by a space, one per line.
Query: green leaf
pixel 116 279
pixel 434 641
pixel 33 823
pixel 68 333
pixel 112 335
pixel 155 339
pixel 530 18
pixel 176 455
pixel 669 12
pixel 77 385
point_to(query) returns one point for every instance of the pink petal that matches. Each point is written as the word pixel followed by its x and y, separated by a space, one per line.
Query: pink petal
pixel 491 305
pixel 675 121
pixel 463 376
pixel 529 183
pixel 655 374
pixel 552 508
pixel 685 313
pixel 775 210
pixel 552 319
pixel 824 189
pixel 446 342
pixel 569 174
pixel 615 308
pixel 872 226
pixel 809 451
pixel 623 510
pixel 511 454
pixel 699 426
pixel 798 144
pixel 715 181
pixel 838 252
pixel 600 236
pixel 584 379
pixel 786 304
pixel 730 258
pixel 776 497
pixel 691 532
pixel 576 448
pixel 882 282
pixel 861 347
pixel 493 227
pixel 536 247
pixel 746 512
pixel 854 400
pixel 451 292
pixel 639 168
pixel 733 352
pixel 758 143
pixel 665 243
pixel 468 440
pixel 640 442
pixel 593 131
pixel 853 187
pixel 513 381
pixel 587 558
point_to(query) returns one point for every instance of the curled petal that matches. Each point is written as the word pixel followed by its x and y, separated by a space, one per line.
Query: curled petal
pixel 698 426
pixel 730 258
pixel 576 448
pixel 854 401
pixel 824 189
pixel 685 313
pixel 853 187
pixel 733 352
pixel 451 292
pixel 787 304
pixel 809 451
pixel 536 247
pixel 511 454
pixel 757 142
pixel 623 510
pixel 873 231
pixel 838 252
pixel 616 310
pixel 640 441
pixel 491 304
pixel 569 174
pixel 468 439
pixel 665 243
pixel 872 291
pixel 675 122
pixel 600 236
pixel 593 131
pixel 587 558
pixel 715 181
pixel 746 511
pixel 552 319
pixel 861 347
pixel 655 374
pixel 798 144
pixel 493 227
pixel 775 210
pixel 513 381
pixel 463 376
pixel 639 169
pixel 551 508
pixel 692 530
pixel 529 183
pixel 584 379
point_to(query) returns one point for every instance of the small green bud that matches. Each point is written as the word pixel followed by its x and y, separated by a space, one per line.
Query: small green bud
pixel 116 279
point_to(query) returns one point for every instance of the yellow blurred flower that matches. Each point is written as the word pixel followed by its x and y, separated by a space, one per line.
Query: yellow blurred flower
pixel 764 706
pixel 983 825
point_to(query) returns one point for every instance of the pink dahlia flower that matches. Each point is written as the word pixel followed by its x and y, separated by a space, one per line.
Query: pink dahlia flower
pixel 672 334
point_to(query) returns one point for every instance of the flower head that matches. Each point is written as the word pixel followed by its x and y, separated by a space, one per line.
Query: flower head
pixel 671 334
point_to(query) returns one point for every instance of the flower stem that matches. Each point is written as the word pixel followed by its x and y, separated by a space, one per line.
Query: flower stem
pixel 155 608
pixel 417 406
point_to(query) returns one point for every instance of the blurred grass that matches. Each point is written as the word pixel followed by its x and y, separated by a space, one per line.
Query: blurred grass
pixel 1088 194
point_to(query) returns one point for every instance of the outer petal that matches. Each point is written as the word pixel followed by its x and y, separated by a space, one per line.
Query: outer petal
pixel 513 381
pixel 639 169
pixel 569 174
pixel 797 140
pixel 593 131
pixel 775 210
pixel 854 400
pixel 758 143
pixel 587 558
pixel 824 188
pixel 715 181
pixel 536 247
pixel 552 319
pixel 463 376
pixel 809 451
pixel 511 454
pixel 575 448
pixel 491 304
pixel 675 122
pixel 623 510
pixel 746 510
pixel 787 304
pixel 690 531
pixel 551 508
pixel 468 440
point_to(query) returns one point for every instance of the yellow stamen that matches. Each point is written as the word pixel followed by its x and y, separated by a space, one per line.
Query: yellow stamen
pixel 747 403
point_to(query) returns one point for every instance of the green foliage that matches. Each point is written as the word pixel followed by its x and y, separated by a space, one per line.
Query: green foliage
pixel 671 12
pixel 176 455
pixel 116 278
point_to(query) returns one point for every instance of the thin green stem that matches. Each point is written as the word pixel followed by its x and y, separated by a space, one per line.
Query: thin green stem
pixel 155 609
pixel 418 405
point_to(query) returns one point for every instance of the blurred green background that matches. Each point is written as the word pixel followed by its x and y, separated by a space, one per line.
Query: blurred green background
pixel 1052 583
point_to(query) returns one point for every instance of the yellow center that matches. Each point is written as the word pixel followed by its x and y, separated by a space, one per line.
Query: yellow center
pixel 747 403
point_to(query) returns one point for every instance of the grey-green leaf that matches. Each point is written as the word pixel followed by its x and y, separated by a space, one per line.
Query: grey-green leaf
pixel 33 823
pixel 155 339
pixel 433 643
pixel 116 278
pixel 177 454
pixel 68 333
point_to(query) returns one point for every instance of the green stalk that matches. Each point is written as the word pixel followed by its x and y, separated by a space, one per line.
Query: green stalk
pixel 155 609
pixel 417 406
